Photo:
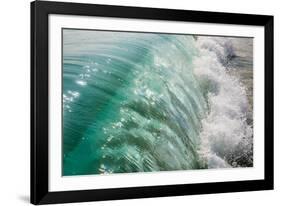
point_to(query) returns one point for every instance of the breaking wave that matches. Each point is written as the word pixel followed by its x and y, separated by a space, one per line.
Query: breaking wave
pixel 137 102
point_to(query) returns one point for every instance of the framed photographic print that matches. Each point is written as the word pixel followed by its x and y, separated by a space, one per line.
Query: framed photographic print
pixel 131 102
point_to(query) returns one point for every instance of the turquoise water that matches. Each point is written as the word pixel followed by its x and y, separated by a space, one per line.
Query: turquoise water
pixel 139 102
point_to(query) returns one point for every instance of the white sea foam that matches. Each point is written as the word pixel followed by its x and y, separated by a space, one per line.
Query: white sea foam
pixel 225 125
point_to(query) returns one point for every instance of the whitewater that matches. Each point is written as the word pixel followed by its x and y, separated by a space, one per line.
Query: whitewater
pixel 146 102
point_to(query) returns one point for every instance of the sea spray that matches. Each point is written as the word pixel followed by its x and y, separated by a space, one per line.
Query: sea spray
pixel 225 129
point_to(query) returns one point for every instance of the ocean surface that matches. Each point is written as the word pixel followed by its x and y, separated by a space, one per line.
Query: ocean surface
pixel 144 102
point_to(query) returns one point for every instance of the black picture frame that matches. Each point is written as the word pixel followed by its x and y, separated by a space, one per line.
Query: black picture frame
pixel 39 102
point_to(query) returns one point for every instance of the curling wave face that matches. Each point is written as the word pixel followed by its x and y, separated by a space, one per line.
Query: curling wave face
pixel 137 102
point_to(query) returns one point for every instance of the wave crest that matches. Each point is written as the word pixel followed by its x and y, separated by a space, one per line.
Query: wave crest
pixel 226 136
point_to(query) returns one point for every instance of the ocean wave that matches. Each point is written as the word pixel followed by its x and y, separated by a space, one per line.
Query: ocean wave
pixel 136 102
